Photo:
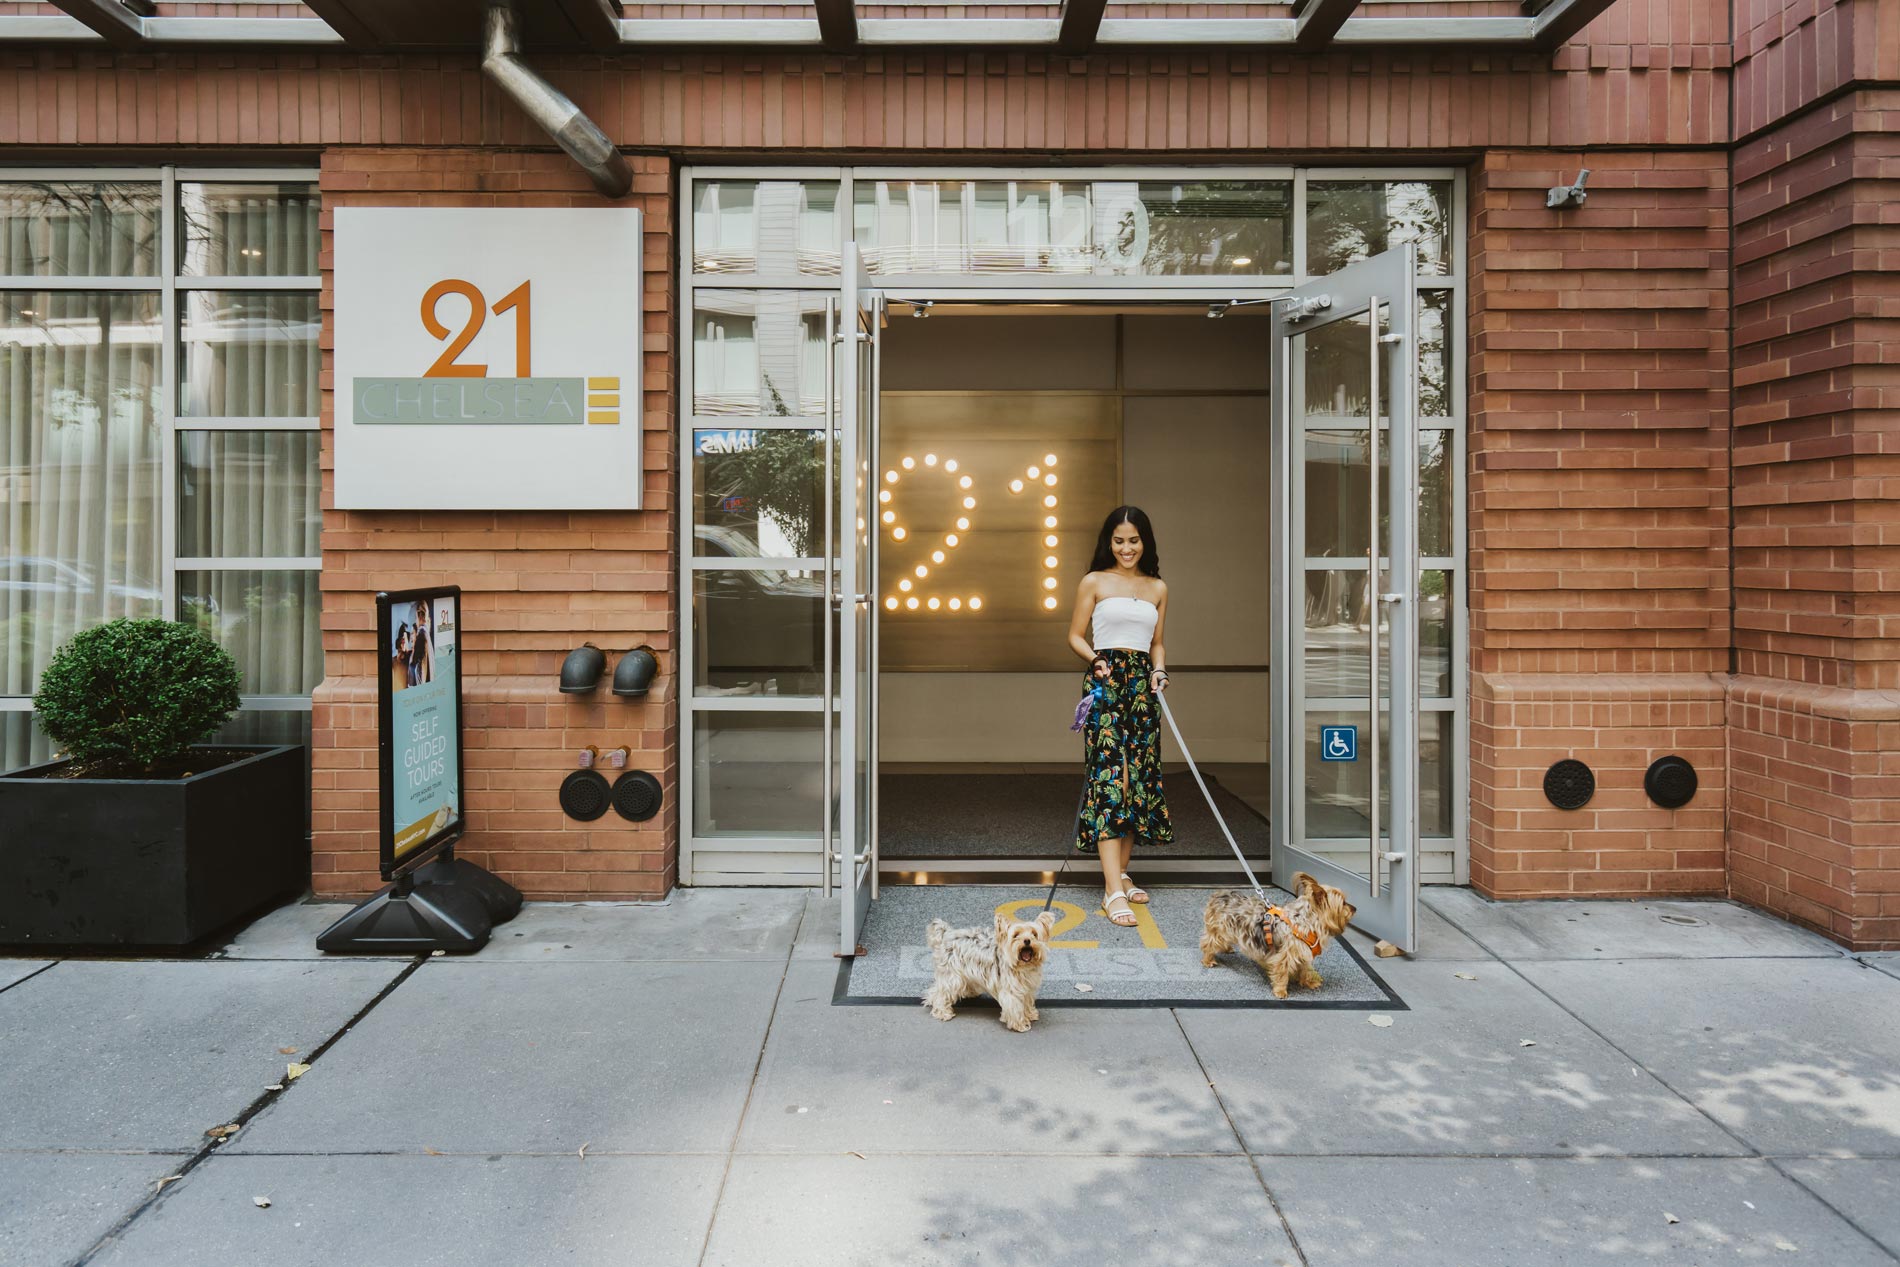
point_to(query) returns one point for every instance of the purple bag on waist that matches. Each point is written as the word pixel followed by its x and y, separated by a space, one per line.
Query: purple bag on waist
pixel 1082 711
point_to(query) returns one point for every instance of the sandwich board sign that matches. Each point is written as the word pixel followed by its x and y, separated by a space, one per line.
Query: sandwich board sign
pixel 419 716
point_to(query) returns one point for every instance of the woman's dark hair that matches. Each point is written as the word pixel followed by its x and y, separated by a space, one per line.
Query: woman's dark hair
pixel 1150 562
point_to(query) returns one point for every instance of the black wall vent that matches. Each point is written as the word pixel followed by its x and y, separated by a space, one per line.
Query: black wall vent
pixel 637 796
pixel 1569 784
pixel 1670 782
pixel 584 795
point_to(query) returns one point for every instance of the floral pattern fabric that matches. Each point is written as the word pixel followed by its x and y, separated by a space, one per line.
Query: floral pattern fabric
pixel 1122 796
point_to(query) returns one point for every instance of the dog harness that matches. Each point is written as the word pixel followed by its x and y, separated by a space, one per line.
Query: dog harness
pixel 1311 939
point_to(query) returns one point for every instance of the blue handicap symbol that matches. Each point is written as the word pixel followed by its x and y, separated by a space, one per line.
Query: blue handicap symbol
pixel 1339 743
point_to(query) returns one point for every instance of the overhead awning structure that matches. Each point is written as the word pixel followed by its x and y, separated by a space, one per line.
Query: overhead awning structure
pixel 605 26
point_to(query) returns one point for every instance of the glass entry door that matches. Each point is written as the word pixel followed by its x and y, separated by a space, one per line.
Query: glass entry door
pixel 1346 591
pixel 851 721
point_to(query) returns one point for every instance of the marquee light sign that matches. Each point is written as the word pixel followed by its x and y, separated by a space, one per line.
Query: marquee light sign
pixel 1037 483
pixel 488 358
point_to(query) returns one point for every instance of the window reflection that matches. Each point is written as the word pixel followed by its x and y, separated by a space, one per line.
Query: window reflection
pixel 766 226
pixel 759 353
pixel 247 230
pixel 758 494
pixel 1352 220
pixel 1108 228
pixel 249 354
pixel 79 230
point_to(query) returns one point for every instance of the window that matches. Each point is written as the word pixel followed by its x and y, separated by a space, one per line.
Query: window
pixel 158 426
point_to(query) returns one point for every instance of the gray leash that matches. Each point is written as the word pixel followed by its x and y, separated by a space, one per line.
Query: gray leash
pixel 1196 770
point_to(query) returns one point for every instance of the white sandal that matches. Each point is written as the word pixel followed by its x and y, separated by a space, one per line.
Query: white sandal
pixel 1136 894
pixel 1122 897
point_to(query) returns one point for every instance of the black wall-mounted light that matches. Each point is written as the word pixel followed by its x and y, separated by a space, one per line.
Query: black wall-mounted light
pixel 633 676
pixel 581 671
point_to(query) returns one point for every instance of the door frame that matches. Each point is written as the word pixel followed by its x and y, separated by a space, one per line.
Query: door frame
pixel 791 857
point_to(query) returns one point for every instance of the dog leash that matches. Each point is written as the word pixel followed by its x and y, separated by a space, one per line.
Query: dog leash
pixel 1196 770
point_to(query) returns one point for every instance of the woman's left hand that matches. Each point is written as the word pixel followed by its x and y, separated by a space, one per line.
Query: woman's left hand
pixel 1158 681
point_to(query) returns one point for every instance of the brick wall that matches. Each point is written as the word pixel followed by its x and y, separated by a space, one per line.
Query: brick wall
pixel 1598 517
pixel 535 585
pixel 1815 828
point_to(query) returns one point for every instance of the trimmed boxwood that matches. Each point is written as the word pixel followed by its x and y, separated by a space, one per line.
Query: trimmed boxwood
pixel 127 696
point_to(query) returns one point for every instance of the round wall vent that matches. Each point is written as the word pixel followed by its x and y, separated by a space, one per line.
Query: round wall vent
pixel 1569 784
pixel 584 795
pixel 637 796
pixel 1670 782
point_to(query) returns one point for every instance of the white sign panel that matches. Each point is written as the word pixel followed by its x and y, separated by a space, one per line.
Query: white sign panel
pixel 487 358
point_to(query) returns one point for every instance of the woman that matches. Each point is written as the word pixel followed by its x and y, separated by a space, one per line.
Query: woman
pixel 1125 604
pixel 422 654
pixel 399 659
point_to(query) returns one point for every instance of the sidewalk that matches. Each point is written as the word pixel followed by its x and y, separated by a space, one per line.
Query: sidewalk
pixel 1680 1083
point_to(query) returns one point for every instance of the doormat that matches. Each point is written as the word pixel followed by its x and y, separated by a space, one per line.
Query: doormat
pixel 1033 816
pixel 1155 964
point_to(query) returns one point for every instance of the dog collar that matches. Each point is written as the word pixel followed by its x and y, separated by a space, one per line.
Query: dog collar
pixel 1311 939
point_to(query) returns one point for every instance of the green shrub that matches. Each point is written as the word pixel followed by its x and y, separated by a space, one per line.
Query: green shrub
pixel 133 693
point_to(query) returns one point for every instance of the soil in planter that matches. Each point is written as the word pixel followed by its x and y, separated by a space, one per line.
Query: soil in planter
pixel 197 761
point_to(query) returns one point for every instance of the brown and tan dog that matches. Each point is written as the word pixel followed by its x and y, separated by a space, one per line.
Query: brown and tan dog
pixel 1283 940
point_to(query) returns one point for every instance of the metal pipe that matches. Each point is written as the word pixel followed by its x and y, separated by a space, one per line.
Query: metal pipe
pixel 551 111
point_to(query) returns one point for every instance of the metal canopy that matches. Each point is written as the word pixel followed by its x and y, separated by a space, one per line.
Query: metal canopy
pixel 605 26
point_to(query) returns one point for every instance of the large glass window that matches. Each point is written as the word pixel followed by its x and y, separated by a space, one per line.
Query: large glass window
pixel 1127 228
pixel 154 469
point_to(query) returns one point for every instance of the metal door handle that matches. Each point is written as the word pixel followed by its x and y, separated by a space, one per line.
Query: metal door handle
pixel 1372 587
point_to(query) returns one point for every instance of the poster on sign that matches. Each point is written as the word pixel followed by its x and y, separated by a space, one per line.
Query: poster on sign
pixel 420 711
pixel 488 358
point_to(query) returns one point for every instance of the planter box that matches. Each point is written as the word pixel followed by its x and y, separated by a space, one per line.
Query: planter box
pixel 149 862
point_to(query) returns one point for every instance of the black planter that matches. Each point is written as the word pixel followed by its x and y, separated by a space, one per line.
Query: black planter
pixel 149 862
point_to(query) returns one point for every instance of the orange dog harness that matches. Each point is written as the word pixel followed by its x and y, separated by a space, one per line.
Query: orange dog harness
pixel 1311 939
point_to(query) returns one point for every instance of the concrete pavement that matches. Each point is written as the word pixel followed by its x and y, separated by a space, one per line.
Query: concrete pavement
pixel 1575 1082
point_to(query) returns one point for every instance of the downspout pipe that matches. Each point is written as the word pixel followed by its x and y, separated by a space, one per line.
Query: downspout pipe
pixel 551 111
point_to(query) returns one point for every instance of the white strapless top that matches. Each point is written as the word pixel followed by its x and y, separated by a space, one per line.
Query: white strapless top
pixel 1124 623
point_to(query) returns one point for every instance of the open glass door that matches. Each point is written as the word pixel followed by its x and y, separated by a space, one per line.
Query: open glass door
pixel 1345 512
pixel 855 609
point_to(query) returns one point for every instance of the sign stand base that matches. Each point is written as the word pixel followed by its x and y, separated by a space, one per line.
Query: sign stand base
pixel 450 904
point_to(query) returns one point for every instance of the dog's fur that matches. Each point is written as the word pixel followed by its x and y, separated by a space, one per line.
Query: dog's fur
pixel 1004 962
pixel 1239 921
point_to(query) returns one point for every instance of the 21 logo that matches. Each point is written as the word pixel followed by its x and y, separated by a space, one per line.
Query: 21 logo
pixel 924 553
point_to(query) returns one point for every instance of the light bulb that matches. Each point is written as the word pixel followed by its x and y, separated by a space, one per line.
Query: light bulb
pixel 965 482
pixel 950 464
pixel 1048 582
pixel 969 503
pixel 1050 501
pixel 891 602
pixel 897 534
pixel 911 602
pixel 1048 459
pixel 955 603
pixel 922 571
pixel 1033 472
pixel 1049 561
pixel 976 604
pixel 1050 602
pixel 930 459
pixel 860 523
pixel 963 525
pixel 936 556
pixel 1050 479
pixel 904 585
pixel 884 495
pixel 1050 541
pixel 909 464
pixel 890 477
pixel 932 604
pixel 1015 486
pixel 890 516
pixel 1049 522
pixel 950 539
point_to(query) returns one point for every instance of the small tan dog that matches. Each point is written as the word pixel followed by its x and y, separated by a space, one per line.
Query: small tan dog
pixel 1004 962
pixel 1284 941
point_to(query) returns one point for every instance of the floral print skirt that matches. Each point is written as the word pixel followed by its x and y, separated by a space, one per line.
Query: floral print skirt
pixel 1122 795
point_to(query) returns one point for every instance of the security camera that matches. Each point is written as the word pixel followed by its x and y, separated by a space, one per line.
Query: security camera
pixel 1562 197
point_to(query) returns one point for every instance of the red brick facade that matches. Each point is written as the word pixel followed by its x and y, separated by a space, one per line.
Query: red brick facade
pixel 1683 397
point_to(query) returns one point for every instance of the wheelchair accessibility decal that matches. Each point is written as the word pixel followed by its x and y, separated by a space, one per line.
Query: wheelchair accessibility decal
pixel 1339 743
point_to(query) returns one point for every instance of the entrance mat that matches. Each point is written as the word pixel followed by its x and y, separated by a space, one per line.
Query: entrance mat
pixel 1155 964
pixel 1033 816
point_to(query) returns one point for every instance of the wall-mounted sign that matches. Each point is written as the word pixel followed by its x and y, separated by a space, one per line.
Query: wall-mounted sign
pixel 487 358
pixel 419 710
